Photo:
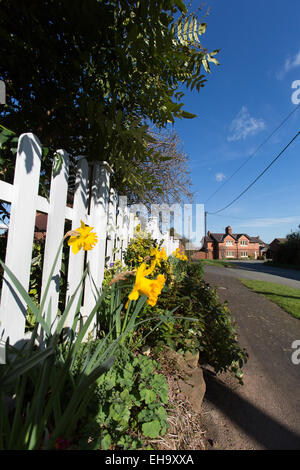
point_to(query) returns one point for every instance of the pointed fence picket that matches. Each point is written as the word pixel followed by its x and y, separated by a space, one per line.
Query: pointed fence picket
pixel 23 198
pixel 76 261
pixel 55 231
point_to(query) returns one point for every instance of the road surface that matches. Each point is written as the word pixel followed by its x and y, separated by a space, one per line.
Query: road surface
pixel 257 270
pixel 264 413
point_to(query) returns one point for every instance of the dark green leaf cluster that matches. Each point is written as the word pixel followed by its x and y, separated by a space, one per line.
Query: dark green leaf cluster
pixel 127 405
pixel 89 76
pixel 199 322
pixel 288 252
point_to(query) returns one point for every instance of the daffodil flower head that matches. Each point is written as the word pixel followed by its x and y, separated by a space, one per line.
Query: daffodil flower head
pixel 159 255
pixel 149 287
pixel 86 239
pixel 179 253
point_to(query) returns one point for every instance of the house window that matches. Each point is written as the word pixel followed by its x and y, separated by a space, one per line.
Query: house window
pixel 229 254
pixel 244 254
pixel 244 242
pixel 229 243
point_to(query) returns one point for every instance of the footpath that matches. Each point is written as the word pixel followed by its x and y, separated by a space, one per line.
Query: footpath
pixel 264 413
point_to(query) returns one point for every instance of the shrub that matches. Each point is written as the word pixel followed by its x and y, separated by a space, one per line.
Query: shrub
pixel 289 252
pixel 199 321
pixel 139 250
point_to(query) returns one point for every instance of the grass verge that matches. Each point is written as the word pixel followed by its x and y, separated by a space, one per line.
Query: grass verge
pixel 288 298
pixel 218 262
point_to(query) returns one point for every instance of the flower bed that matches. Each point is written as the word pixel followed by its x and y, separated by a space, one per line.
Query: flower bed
pixel 109 392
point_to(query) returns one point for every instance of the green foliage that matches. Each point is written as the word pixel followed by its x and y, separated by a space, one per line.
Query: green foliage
pixel 289 251
pixel 199 322
pixel 139 250
pixel 219 341
pixel 121 65
pixel 190 316
pixel 46 401
pixel 127 405
pixel 112 271
pixel 35 280
pixel 178 269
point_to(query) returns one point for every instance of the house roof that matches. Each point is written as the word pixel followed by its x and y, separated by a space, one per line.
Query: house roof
pixel 219 237
pixel 257 240
pixel 280 240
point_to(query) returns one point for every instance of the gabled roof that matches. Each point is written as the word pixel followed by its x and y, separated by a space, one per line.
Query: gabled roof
pixel 219 237
pixel 280 240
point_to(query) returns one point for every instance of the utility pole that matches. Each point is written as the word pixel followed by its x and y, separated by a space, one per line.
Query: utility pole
pixel 189 235
pixel 205 232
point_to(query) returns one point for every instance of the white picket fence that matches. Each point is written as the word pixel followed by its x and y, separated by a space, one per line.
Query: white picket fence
pixel 94 202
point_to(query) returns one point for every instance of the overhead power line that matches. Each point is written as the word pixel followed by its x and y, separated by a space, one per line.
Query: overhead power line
pixel 253 153
pixel 257 178
pixel 227 216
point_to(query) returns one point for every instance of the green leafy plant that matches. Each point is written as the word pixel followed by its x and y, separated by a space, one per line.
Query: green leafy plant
pixel 128 405
pixel 46 400
pixel 139 251
pixel 200 322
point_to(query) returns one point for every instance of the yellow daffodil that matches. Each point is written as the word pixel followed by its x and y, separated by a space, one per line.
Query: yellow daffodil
pixel 85 238
pixel 159 255
pixel 179 253
pixel 149 287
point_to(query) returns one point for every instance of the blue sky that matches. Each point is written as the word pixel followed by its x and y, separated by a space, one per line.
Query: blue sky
pixel 245 98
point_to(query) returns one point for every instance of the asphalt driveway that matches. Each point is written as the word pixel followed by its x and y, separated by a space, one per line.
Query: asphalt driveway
pixel 264 413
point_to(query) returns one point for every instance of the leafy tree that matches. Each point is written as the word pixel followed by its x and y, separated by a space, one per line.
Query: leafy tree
pixel 166 178
pixel 289 251
pixel 89 76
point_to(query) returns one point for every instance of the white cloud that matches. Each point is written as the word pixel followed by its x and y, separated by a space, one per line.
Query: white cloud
pixel 290 63
pixel 220 177
pixel 270 222
pixel 244 125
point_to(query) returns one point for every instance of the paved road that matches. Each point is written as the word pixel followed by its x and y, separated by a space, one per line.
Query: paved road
pixel 264 413
pixel 257 270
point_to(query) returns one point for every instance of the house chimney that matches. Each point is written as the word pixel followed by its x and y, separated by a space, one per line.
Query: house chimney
pixel 228 230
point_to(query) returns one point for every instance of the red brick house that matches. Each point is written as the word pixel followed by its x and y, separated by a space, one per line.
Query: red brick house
pixel 40 226
pixel 229 245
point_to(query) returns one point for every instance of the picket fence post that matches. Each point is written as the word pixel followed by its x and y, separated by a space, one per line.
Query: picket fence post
pixel 99 199
pixel 119 243
pixel 111 226
pixel 125 228
pixel 55 232
pixel 76 261
pixel 20 236
pixel 131 227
